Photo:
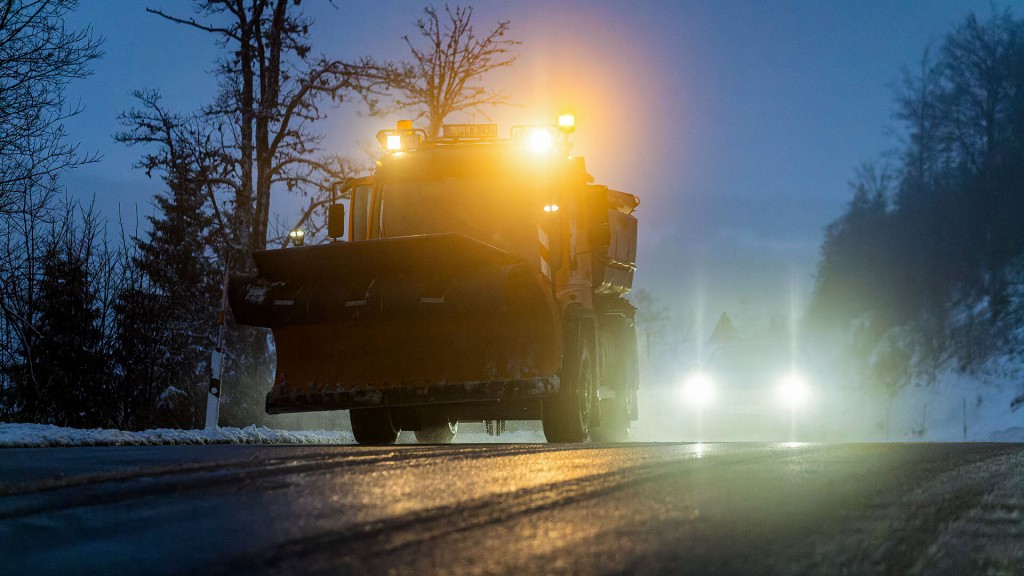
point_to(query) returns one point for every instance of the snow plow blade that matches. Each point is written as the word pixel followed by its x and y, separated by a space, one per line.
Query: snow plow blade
pixel 401 321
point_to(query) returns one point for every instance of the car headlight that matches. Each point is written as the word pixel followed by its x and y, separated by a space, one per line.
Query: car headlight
pixel 699 391
pixel 793 391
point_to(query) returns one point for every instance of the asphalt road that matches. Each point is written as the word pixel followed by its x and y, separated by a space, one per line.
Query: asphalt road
pixel 522 509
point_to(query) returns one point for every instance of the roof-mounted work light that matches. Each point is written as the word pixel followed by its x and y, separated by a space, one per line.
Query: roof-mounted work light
pixel 567 122
pixel 539 140
pixel 403 137
pixel 544 140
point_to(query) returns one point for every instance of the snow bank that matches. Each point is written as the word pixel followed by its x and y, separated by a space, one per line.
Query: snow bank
pixel 956 407
pixel 39 435
pixel 45 435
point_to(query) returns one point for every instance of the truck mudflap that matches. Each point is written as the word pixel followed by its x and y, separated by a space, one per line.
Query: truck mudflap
pixel 401 321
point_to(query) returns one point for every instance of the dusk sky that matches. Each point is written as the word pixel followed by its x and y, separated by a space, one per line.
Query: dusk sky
pixel 738 123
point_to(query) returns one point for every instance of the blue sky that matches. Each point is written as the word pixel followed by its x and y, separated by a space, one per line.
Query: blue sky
pixel 738 123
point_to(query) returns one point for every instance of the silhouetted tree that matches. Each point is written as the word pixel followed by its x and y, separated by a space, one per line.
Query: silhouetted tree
pixel 273 87
pixel 39 56
pixel 938 265
pixel 255 140
pixel 448 63
pixel 64 374
pixel 166 311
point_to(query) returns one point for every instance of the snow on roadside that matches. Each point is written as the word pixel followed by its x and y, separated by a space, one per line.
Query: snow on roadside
pixel 39 435
pixel 42 435
pixel 957 407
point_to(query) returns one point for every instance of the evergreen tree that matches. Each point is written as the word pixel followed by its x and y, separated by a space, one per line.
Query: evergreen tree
pixel 167 313
pixel 69 382
pixel 938 269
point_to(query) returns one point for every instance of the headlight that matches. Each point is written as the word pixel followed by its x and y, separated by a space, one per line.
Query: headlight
pixel 394 142
pixel 540 141
pixel 699 391
pixel 793 391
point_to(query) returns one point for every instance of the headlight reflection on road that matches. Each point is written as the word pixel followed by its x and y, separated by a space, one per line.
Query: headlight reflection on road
pixel 698 450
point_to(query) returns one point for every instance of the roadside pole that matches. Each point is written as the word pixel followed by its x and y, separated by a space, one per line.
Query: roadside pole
pixel 217 363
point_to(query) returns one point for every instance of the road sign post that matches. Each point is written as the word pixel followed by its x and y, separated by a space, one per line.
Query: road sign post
pixel 217 364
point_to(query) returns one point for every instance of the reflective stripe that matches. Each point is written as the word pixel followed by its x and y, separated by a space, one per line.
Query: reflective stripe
pixel 545 253
pixel 216 365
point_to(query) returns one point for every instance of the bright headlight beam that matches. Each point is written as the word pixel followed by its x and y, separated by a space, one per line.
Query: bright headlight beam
pixel 699 391
pixel 793 391
pixel 540 141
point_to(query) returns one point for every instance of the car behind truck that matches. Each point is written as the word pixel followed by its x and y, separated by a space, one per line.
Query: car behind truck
pixel 471 278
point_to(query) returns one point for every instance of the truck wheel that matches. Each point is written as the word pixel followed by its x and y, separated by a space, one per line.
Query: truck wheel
pixel 618 413
pixel 373 426
pixel 566 416
pixel 437 430
pixel 614 419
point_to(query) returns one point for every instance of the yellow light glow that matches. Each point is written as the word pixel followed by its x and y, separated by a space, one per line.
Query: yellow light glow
pixel 540 141
pixel 298 236
pixel 551 208
pixel 394 142
pixel 566 122
pixel 404 124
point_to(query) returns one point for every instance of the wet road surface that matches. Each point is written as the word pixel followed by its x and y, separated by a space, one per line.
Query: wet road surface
pixel 521 509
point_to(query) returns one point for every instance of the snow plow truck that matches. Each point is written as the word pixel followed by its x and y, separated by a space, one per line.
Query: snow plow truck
pixel 470 278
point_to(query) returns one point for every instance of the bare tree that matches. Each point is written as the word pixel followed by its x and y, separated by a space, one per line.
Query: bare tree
pixel 256 140
pixel 444 73
pixel 272 90
pixel 38 57
pixel 188 150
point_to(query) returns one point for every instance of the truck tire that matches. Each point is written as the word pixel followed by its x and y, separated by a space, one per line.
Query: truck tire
pixel 615 419
pixel 373 426
pixel 566 415
pixel 437 429
pixel 618 413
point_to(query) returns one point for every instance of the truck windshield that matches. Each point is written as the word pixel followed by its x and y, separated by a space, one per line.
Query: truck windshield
pixel 493 211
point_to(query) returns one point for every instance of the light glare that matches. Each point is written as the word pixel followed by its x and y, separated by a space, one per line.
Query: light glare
pixel 699 391
pixel 566 122
pixel 394 142
pixel 540 141
pixel 793 391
